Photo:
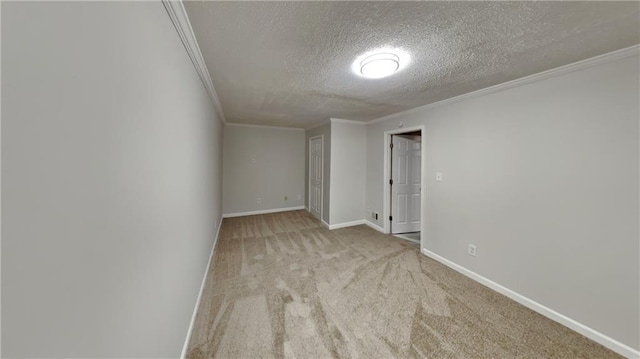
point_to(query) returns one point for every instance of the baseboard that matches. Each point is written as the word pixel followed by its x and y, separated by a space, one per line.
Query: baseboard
pixel 351 224
pixel 590 333
pixel 183 355
pixel 262 211
pixel 374 226
pixel 346 224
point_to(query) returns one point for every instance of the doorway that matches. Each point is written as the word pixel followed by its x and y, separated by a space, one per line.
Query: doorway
pixel 316 178
pixel 404 182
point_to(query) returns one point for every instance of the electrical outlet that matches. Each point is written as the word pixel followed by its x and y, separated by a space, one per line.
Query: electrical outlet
pixel 259 200
pixel 285 198
pixel 439 176
pixel 376 213
pixel 471 250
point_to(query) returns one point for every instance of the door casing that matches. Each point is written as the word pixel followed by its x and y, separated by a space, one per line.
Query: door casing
pixel 386 204
pixel 311 139
pixel 405 185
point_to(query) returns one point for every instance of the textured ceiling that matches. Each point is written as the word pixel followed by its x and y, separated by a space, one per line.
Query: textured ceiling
pixel 289 63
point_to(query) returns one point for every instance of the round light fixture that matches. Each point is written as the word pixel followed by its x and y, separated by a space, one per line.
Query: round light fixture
pixel 380 63
pixel 378 66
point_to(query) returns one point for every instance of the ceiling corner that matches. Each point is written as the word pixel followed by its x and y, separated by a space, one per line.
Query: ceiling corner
pixel 180 20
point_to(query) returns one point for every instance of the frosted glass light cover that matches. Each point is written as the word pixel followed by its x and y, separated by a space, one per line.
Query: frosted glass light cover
pixel 379 65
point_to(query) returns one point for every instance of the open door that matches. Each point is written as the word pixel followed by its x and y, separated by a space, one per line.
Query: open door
pixel 405 183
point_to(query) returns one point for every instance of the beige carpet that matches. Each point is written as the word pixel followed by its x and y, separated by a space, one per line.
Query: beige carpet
pixel 282 285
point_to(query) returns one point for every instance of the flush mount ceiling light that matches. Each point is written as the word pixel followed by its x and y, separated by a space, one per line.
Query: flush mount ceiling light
pixel 380 63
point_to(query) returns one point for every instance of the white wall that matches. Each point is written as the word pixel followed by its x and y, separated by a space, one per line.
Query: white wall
pixel 543 178
pixel 265 163
pixel 111 181
pixel 0 185
pixel 325 131
pixel 348 167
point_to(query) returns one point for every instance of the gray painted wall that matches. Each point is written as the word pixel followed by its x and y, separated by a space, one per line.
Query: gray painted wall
pixel 348 168
pixel 543 178
pixel 324 130
pixel 265 163
pixel 111 181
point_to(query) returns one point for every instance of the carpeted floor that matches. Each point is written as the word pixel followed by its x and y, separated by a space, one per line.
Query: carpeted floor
pixel 282 285
pixel 411 236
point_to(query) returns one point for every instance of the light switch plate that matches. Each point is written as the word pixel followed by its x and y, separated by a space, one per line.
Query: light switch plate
pixel 439 176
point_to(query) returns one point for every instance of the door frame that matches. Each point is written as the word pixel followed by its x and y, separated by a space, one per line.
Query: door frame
pixel 386 208
pixel 321 137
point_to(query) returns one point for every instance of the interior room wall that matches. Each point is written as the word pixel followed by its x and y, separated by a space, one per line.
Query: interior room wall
pixel 0 183
pixel 348 167
pixel 543 179
pixel 325 131
pixel 262 165
pixel 111 181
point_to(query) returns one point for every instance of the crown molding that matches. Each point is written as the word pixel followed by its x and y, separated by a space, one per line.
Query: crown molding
pixel 180 19
pixel 336 120
pixel 351 122
pixel 319 124
pixel 264 126
pixel 558 71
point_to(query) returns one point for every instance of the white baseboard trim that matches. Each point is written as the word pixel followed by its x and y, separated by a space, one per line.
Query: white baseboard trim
pixel 345 224
pixel 351 224
pixel 183 355
pixel 374 226
pixel 590 333
pixel 262 211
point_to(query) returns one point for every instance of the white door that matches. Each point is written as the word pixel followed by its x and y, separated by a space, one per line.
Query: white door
pixel 315 176
pixel 405 188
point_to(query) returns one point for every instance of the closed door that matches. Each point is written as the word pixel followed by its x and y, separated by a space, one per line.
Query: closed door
pixel 315 176
pixel 405 188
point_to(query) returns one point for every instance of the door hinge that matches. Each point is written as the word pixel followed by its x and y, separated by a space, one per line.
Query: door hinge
pixel 391 182
pixel 391 144
pixel 390 218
